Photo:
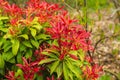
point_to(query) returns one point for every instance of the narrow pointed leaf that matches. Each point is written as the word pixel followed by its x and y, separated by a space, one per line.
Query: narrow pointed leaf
pixel 33 32
pixel 25 36
pixel 15 46
pixel 1 62
pixel 54 66
pixel 27 44
pixel 35 43
pixel 65 71
pixel 46 60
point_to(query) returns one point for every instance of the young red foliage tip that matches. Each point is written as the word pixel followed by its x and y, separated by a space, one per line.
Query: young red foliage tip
pixel 13 10
pixel 29 69
pixel 2 3
pixel 14 22
pixel 73 56
pixel 10 75
pixel 92 72
pixel 89 59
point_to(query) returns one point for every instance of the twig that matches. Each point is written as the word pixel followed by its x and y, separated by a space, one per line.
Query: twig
pixel 117 6
pixel 69 6
pixel 86 26
pixel 109 71
pixel 96 44
pixel 114 12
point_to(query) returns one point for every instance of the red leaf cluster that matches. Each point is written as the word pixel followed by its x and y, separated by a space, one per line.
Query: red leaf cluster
pixel 29 69
pixel 70 36
pixel 92 73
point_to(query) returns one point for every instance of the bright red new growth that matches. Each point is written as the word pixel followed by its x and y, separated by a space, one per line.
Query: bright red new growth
pixel 68 34
pixel 92 72
pixel 10 75
pixel 29 69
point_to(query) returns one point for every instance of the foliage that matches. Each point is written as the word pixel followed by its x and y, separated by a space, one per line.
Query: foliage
pixel 40 41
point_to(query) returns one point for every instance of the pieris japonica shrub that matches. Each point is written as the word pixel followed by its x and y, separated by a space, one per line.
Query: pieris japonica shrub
pixel 41 42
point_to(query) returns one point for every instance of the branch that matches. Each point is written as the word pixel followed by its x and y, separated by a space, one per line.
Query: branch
pixel 109 71
pixel 96 44
pixel 116 4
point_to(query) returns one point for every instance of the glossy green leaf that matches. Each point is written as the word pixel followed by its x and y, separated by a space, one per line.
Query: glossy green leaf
pixel 27 44
pixel 42 36
pixel 7 48
pixel 22 47
pixel 4 29
pixel 71 75
pixel 37 26
pixel 59 70
pixel 6 44
pixel 54 66
pixel 65 71
pixel 33 32
pixel 7 36
pixel 19 73
pixel 35 20
pixel 8 55
pixel 73 69
pixel 19 58
pixel 15 46
pixel 28 53
pixel 47 60
pixel 35 43
pixel 81 55
pixel 1 61
pixel 3 18
pixel 1 41
pixel 25 36
pixel 50 55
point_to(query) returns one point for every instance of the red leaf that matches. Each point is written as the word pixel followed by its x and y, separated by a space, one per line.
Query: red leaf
pixel 73 56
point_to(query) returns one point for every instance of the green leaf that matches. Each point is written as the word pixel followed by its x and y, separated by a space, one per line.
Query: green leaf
pixel 55 42
pixel 73 69
pixel 19 73
pixel 59 70
pixel 3 18
pixel 7 56
pixel 22 47
pixel 15 46
pixel 33 32
pixel 6 46
pixel 27 44
pixel 28 54
pixel 81 55
pixel 35 20
pixel 50 55
pixel 4 29
pixel 65 71
pixel 37 26
pixel 1 61
pixel 25 36
pixel 71 76
pixel 7 36
pixel 1 41
pixel 47 60
pixel 42 36
pixel 54 66
pixel 35 43
pixel 19 58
